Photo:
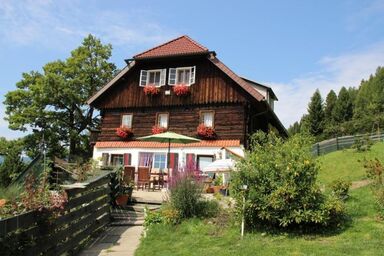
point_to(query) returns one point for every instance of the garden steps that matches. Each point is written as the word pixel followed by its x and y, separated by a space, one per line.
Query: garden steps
pixel 131 215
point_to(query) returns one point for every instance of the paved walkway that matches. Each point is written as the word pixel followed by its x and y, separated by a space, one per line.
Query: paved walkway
pixel 116 241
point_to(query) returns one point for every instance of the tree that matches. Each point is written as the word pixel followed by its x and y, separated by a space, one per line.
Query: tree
pixel 343 110
pixel 294 129
pixel 330 103
pixel 54 102
pixel 315 116
pixel 13 163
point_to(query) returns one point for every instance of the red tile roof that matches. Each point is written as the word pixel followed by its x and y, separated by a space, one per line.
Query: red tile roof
pixel 182 45
pixel 149 144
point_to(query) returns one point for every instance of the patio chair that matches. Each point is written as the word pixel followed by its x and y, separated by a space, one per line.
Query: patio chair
pixel 156 178
pixel 129 174
pixel 143 180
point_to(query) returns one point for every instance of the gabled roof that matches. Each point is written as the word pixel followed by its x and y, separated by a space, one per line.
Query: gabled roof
pixel 182 45
pixel 269 89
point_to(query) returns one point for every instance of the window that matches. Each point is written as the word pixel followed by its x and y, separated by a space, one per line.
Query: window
pixel 126 120
pixel 160 161
pixel 207 118
pixel 162 120
pixel 155 77
pixel 203 161
pixel 182 75
pixel 117 160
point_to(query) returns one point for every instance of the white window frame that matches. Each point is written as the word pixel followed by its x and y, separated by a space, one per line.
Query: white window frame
pixel 165 160
pixel 203 112
pixel 158 120
pixel 174 72
pixel 144 77
pixel 122 119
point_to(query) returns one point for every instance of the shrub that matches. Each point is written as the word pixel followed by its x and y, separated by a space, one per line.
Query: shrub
pixel 362 144
pixel 340 188
pixel 375 172
pixel 282 190
pixel 185 194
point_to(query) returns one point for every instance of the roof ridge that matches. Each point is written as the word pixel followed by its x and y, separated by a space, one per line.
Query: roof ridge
pixel 171 41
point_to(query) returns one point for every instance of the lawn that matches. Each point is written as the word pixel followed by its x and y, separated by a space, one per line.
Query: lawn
pixel 363 235
pixel 347 164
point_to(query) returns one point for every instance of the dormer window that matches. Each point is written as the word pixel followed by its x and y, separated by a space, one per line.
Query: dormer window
pixel 154 77
pixel 182 75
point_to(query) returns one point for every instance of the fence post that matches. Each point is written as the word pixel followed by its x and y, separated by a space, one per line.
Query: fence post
pixel 318 149
pixel 337 143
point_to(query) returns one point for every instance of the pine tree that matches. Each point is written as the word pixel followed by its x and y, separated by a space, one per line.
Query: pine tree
pixel 316 114
pixel 343 110
pixel 330 103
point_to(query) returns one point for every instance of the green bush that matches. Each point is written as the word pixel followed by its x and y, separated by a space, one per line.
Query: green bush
pixel 362 144
pixel 282 190
pixel 340 188
pixel 375 172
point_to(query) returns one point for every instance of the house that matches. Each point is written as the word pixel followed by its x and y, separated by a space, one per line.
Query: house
pixel 183 87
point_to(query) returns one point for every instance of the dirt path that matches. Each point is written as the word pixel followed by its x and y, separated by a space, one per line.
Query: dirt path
pixel 360 183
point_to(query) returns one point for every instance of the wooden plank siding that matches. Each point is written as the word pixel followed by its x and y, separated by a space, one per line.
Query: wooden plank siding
pixel 211 86
pixel 229 121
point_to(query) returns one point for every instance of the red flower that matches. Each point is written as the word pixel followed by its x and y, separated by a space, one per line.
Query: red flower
pixel 124 132
pixel 157 129
pixel 151 89
pixel 181 89
pixel 206 132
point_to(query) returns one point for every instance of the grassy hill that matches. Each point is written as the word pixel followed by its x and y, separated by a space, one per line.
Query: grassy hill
pixel 362 236
pixel 347 164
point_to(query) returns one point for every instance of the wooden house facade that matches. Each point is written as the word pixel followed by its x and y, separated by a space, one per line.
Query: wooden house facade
pixel 182 87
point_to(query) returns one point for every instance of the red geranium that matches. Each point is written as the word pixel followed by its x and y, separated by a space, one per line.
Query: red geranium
pixel 151 89
pixel 206 132
pixel 124 132
pixel 181 89
pixel 157 129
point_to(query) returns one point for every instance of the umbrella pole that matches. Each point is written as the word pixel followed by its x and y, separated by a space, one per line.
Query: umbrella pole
pixel 168 157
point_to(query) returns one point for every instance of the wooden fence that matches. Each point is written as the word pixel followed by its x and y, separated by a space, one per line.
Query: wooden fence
pixel 50 233
pixel 327 146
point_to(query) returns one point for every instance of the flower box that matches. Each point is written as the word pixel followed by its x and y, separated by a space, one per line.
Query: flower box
pixel 124 132
pixel 157 129
pixel 206 132
pixel 181 89
pixel 151 90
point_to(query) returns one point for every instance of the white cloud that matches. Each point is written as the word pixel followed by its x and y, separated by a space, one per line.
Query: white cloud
pixel 344 70
pixel 59 24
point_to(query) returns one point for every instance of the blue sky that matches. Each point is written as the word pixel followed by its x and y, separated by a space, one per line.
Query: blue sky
pixel 292 46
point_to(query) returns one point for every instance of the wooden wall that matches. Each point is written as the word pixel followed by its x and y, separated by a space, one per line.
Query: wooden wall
pixel 229 121
pixel 211 86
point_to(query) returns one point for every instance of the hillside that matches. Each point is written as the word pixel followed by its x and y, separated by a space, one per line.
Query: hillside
pixel 347 164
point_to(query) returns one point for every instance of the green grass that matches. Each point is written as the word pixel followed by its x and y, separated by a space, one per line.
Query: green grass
pixel 363 236
pixel 347 164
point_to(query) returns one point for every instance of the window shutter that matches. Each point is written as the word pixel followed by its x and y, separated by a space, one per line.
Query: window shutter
pixel 163 77
pixel 174 161
pixel 192 75
pixel 127 159
pixel 190 162
pixel 143 77
pixel 172 76
pixel 104 159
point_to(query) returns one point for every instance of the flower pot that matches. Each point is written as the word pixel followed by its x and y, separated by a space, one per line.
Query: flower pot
pixel 122 200
pixel 216 189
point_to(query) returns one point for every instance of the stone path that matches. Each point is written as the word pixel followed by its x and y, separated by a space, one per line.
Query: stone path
pixel 116 241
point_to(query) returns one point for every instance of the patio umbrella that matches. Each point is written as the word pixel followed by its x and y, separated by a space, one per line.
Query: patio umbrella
pixel 220 166
pixel 169 137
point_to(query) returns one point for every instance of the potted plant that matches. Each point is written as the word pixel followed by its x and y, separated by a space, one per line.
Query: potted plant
pixel 181 89
pixel 157 129
pixel 151 90
pixel 206 132
pixel 124 132
pixel 124 195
